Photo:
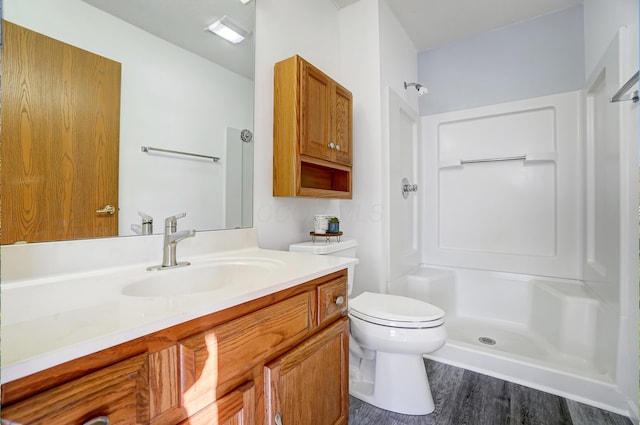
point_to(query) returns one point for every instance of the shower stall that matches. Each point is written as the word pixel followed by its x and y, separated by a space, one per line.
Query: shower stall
pixel 508 218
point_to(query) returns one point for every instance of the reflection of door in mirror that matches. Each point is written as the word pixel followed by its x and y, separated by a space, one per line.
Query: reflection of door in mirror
pixel 238 186
pixel 60 136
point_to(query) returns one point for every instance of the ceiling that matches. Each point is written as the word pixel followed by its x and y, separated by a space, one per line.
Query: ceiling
pixel 429 23
pixel 182 23
pixel 432 23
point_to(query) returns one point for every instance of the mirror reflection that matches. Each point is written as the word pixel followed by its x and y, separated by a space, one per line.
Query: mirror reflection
pixel 182 89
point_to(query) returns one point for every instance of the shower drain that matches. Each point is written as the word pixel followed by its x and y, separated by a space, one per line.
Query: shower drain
pixel 486 340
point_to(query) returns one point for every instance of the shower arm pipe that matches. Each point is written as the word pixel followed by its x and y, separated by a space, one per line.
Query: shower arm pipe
pixel 541 156
pixel 152 149
pixel 619 95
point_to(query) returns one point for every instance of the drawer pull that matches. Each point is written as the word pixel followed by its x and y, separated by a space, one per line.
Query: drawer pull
pixel 340 300
pixel 278 419
pixel 100 420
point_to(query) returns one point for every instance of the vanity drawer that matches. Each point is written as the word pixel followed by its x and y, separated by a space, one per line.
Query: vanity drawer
pixel 212 361
pixel 332 299
pixel 236 407
pixel 119 392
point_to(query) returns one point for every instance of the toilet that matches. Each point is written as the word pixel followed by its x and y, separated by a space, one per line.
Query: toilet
pixel 388 336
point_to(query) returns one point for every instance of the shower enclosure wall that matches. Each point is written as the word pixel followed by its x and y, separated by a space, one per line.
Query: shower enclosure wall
pixel 502 248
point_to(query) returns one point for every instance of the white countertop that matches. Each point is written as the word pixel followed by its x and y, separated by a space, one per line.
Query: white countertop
pixel 48 320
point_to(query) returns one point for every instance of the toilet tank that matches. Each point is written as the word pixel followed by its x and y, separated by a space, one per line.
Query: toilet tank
pixel 345 247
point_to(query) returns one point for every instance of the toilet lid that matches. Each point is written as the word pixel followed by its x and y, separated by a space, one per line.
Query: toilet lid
pixel 395 311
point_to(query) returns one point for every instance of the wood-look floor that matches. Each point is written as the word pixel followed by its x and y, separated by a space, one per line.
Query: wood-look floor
pixel 463 397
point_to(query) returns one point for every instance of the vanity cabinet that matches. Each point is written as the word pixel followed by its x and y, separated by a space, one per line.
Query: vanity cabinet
pixel 284 352
pixel 117 393
pixel 234 408
pixel 312 132
pixel 303 385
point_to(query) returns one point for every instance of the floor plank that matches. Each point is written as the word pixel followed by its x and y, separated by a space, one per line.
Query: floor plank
pixel 583 414
pixel 463 397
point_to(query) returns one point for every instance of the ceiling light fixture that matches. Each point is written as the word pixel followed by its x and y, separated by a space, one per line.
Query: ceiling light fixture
pixel 229 30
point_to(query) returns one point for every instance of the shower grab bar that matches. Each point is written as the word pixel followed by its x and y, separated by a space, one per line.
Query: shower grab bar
pixel 531 157
pixel 506 158
pixel 149 149
pixel 619 95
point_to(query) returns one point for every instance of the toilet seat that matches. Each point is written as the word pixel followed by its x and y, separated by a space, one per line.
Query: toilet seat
pixel 395 311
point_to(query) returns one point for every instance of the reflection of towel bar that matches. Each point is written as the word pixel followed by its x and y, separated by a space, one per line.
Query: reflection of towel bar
pixel 149 149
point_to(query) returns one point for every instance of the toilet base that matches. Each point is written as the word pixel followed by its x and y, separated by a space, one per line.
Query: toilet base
pixel 400 385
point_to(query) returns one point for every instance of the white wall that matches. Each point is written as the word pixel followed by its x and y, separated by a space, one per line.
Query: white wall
pixel 602 19
pixel 345 44
pixel 360 53
pixel 310 29
pixel 400 147
pixel 377 56
pixel 165 102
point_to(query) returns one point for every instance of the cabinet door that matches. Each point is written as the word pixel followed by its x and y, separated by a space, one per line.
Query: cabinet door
pixel 341 126
pixel 118 392
pixel 216 361
pixel 316 110
pixel 308 385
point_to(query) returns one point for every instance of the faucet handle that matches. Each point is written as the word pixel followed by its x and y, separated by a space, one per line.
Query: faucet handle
pixel 174 218
pixel 171 223
pixel 146 218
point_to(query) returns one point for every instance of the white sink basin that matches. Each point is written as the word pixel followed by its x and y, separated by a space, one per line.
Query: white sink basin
pixel 208 276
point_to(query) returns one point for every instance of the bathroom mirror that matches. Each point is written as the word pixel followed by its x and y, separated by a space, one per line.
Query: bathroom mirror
pixel 183 89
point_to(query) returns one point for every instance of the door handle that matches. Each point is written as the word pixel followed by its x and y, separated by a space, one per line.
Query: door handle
pixel 108 209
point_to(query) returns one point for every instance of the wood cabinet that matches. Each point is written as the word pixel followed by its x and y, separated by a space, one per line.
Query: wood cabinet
pixel 312 132
pixel 284 352
pixel 234 408
pixel 118 392
pixel 304 386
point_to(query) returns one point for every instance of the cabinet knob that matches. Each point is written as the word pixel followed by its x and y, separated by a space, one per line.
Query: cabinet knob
pixel 337 147
pixel 278 419
pixel 340 300
pixel 99 420
pixel 332 145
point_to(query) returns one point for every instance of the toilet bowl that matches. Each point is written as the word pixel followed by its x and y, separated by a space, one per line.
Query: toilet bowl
pixel 388 336
pixel 392 333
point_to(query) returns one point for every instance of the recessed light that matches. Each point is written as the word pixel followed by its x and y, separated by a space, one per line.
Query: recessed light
pixel 229 30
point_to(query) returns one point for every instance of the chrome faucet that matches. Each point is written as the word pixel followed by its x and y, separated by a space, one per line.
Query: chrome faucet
pixel 171 239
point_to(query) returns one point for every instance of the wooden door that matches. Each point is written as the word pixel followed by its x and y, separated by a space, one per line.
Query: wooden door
pixel 316 111
pixel 342 125
pixel 309 384
pixel 60 139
